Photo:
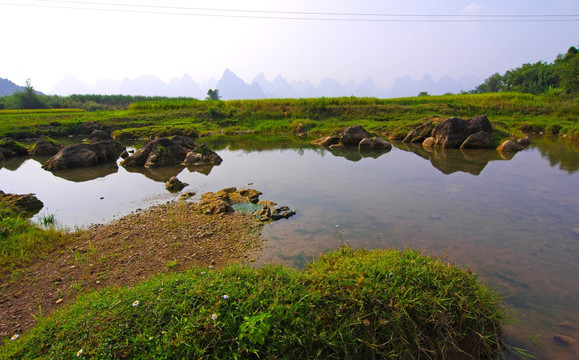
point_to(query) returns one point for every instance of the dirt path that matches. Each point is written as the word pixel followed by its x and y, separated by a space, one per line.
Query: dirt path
pixel 170 237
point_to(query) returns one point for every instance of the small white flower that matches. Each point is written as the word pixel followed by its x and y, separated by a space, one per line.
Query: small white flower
pixel 14 337
pixel 79 353
pixel 225 297
pixel 202 272
pixel 136 303
pixel 210 266
pixel 214 317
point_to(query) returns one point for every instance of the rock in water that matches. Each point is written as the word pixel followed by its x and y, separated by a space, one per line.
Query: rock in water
pixel 510 146
pixel 102 148
pixel 351 136
pixel 175 184
pixel 45 146
pixel 157 152
pixel 452 132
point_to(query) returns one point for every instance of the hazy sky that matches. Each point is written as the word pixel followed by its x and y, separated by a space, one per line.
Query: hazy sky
pixel 47 40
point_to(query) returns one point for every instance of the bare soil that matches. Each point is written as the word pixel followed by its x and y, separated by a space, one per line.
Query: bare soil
pixel 170 237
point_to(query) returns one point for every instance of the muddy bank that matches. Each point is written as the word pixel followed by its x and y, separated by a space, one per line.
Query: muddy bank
pixel 169 237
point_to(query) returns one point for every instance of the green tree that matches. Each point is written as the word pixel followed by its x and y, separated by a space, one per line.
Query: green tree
pixel 568 69
pixel 213 94
pixel 423 93
pixel 28 98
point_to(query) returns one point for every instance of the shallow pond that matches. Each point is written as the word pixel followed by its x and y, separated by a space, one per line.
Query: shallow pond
pixel 513 221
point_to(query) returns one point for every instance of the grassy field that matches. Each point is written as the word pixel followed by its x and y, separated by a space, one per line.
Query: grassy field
pixel 509 113
pixel 348 304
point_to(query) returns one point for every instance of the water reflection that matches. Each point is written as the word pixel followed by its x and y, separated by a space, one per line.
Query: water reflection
pixel 353 154
pixel 448 161
pixel 87 173
pixel 559 153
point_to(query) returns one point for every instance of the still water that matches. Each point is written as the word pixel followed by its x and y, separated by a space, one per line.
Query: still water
pixel 514 221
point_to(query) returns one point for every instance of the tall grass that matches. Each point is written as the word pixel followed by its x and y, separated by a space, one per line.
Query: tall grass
pixel 22 242
pixel 349 304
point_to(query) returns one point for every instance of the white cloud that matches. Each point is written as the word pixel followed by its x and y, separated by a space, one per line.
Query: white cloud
pixel 472 9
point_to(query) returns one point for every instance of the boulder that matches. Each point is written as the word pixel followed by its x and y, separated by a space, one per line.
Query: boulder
pixel 27 203
pixel 157 152
pixel 429 142
pixel 82 155
pixel 185 141
pixel 452 132
pixel 326 141
pixel 211 203
pixel 479 140
pixel 99 135
pixel 45 146
pixel 175 184
pixel 10 148
pixel 351 136
pixel 374 143
pixel 526 141
pixel 420 133
pixel 510 146
pixel 202 155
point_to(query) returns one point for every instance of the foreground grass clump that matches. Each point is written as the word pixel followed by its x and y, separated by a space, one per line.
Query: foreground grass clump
pixel 22 241
pixel 349 304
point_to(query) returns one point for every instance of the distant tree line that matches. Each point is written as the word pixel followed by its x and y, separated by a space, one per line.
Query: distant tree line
pixel 29 98
pixel 558 77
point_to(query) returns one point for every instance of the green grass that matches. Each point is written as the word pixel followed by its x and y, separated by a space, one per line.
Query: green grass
pixel 349 304
pixel 508 112
pixel 22 242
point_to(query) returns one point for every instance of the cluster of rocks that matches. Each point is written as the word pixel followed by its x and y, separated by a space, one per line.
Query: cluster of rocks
pixel 352 136
pixel 172 151
pixel 223 201
pixel 101 148
pixel 473 133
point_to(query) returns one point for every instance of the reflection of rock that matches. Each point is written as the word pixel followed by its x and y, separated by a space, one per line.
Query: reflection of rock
pixel 160 174
pixel 202 169
pixel 448 161
pixel 28 204
pixel 87 173
pixel 354 154
pixel 101 149
pixel 45 146
pixel 175 184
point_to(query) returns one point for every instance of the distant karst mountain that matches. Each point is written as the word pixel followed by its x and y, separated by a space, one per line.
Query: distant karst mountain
pixel 232 87
pixel 7 87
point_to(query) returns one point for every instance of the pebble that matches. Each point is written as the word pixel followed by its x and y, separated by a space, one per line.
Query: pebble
pixel 59 301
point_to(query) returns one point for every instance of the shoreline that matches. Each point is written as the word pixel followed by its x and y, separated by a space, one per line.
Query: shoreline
pixel 171 237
